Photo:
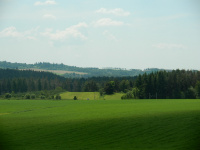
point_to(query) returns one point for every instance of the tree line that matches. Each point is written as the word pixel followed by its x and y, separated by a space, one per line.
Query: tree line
pixel 20 81
pixel 177 84
pixel 161 84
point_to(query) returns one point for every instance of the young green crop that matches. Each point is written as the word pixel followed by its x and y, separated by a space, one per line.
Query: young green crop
pixel 100 124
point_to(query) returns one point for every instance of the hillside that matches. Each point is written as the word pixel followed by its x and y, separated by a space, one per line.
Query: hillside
pixel 19 81
pixel 74 72
pixel 14 73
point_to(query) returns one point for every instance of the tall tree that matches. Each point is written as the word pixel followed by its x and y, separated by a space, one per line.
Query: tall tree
pixel 39 85
pixel 109 88
pixel 197 87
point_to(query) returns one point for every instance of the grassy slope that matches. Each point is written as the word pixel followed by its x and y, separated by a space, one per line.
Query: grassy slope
pixel 90 95
pixel 59 72
pixel 136 124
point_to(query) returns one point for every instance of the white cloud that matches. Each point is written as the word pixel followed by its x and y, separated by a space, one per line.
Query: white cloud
pixel 169 46
pixel 116 11
pixel 72 31
pixel 13 33
pixel 107 22
pixel 49 16
pixel 32 34
pixel 80 25
pixel 110 36
pixel 48 2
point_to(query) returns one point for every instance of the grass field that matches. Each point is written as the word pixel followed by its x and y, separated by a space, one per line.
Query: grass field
pixel 100 124
pixel 90 96
pixel 59 72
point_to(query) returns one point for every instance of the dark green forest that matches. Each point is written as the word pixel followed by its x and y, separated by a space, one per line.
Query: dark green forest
pixel 18 83
pixel 13 80
pixel 177 84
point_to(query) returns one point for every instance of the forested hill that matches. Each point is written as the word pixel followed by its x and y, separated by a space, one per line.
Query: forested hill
pixel 13 73
pixel 12 80
pixel 73 71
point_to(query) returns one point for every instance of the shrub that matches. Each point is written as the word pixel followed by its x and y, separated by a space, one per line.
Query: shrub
pixel 33 96
pixel 8 95
pixel 190 93
pixel 42 97
pixel 52 96
pixel 101 92
pixel 128 95
pixel 27 96
pixel 134 94
pixel 75 98
pixel 58 97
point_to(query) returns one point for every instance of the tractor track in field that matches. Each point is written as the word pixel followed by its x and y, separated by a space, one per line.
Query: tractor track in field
pixel 28 110
pixel 1 114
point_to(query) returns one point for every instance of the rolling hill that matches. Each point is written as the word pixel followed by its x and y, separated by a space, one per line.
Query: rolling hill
pixel 74 72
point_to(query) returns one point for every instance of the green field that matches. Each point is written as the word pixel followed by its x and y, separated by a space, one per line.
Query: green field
pixel 100 124
pixel 90 96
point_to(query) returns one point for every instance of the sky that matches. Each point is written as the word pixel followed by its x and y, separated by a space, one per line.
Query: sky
pixel 132 34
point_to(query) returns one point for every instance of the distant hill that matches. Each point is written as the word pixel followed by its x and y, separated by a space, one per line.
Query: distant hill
pixel 13 73
pixel 76 72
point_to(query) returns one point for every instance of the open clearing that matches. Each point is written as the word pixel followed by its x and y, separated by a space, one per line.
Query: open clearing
pixel 100 124
pixel 90 96
pixel 59 72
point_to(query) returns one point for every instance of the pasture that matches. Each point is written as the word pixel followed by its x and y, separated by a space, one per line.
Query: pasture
pixel 100 124
pixel 58 72
pixel 90 96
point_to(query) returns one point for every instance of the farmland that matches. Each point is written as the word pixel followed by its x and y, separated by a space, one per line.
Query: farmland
pixel 90 96
pixel 59 72
pixel 100 124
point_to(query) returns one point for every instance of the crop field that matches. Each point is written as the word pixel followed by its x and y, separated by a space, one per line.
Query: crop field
pixel 100 124
pixel 90 96
pixel 59 72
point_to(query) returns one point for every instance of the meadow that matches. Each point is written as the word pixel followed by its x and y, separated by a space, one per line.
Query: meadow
pixel 100 124
pixel 90 96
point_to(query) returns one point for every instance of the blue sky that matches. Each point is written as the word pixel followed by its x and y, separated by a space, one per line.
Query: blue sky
pixel 132 34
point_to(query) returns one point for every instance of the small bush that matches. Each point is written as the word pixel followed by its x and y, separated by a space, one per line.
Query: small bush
pixel 42 97
pixel 128 95
pixel 8 95
pixel 33 96
pixel 75 98
pixel 27 96
pixel 58 97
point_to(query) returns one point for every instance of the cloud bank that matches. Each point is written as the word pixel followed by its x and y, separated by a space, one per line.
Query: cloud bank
pixel 71 32
pixel 116 11
pixel 14 33
pixel 48 2
pixel 108 22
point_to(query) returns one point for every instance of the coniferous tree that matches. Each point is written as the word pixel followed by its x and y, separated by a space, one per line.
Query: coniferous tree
pixel 109 88
pixel 197 87
pixel 39 85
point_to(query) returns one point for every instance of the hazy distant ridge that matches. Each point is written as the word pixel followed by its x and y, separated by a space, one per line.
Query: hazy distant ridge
pixel 73 71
